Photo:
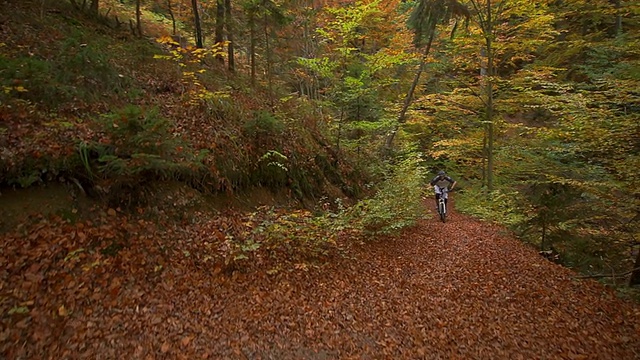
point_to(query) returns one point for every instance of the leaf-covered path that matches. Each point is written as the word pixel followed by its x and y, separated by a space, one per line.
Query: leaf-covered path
pixel 460 290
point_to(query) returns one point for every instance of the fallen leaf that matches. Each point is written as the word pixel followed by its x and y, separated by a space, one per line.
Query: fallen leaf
pixel 186 340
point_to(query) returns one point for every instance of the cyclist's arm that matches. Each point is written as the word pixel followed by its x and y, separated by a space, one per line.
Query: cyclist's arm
pixel 452 182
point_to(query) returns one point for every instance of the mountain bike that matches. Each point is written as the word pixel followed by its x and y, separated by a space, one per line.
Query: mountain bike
pixel 442 204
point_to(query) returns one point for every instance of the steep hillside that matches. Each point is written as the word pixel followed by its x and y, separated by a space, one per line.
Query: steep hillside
pixel 86 103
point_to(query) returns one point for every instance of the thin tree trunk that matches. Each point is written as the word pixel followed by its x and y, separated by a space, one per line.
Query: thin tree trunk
pixel 252 46
pixel 229 25
pixel 484 159
pixel 267 50
pixel 138 16
pixel 173 18
pixel 490 71
pixel 635 274
pixel 219 31
pixel 543 241
pixel 618 18
pixel 409 97
pixel 95 7
pixel 196 16
pixel 339 133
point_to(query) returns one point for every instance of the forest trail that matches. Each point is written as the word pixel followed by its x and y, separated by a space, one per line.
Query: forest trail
pixel 460 290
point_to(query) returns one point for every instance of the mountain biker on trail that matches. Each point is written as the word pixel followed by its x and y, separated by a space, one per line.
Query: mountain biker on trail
pixel 440 184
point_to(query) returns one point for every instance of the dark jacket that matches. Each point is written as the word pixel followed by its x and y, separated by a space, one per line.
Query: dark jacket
pixel 442 181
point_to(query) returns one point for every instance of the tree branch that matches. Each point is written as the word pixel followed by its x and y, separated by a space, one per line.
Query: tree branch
pixel 598 276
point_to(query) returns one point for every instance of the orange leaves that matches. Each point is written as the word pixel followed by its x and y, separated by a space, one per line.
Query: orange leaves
pixel 454 290
pixel 62 311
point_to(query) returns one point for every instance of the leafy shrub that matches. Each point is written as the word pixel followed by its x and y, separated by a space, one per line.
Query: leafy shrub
pixel 82 70
pixel 138 144
pixel 263 123
pixel 495 206
pixel 397 203
pixel 272 170
pixel 29 78
pixel 283 235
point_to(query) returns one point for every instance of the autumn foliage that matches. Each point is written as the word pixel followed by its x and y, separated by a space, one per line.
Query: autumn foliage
pixel 259 191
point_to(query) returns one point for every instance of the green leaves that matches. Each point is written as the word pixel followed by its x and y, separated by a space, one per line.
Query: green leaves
pixel 398 202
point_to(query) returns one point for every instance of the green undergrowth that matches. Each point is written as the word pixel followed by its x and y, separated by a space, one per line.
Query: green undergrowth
pixel 86 101
pixel 396 205
pixel 498 206
pixel 112 118
pixel 551 218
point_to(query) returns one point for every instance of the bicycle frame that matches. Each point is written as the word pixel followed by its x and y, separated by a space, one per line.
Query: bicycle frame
pixel 442 204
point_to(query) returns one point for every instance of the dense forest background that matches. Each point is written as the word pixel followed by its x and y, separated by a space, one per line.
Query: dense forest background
pixel 345 106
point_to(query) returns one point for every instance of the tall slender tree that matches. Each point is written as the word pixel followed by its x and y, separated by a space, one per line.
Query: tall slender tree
pixel 173 17
pixel 485 19
pixel 95 6
pixel 198 26
pixel 219 29
pixel 424 20
pixel 138 19
pixel 230 36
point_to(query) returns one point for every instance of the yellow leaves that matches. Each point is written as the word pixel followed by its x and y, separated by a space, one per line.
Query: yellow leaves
pixel 451 146
pixel 167 40
pixel 8 89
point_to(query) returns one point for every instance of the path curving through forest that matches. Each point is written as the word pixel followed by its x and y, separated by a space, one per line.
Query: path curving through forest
pixel 460 290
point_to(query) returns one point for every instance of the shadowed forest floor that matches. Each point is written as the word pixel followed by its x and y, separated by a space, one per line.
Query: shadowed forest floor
pixel 460 290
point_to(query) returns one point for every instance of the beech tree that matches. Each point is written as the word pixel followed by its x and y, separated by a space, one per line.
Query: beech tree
pixel 197 25
pixel 424 19
pixel 220 22
pixel 230 36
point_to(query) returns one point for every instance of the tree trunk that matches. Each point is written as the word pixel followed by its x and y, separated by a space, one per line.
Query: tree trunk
pixel 173 18
pixel 94 8
pixel 196 16
pixel 490 73
pixel 219 30
pixel 265 20
pixel 635 275
pixel 229 25
pixel 409 97
pixel 252 46
pixel 618 24
pixel 138 22
pixel 618 18
pixel 339 137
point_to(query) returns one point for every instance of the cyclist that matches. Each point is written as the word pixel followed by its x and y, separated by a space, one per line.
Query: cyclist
pixel 440 182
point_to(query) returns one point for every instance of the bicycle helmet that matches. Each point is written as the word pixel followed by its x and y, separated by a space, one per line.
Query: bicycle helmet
pixel 441 173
